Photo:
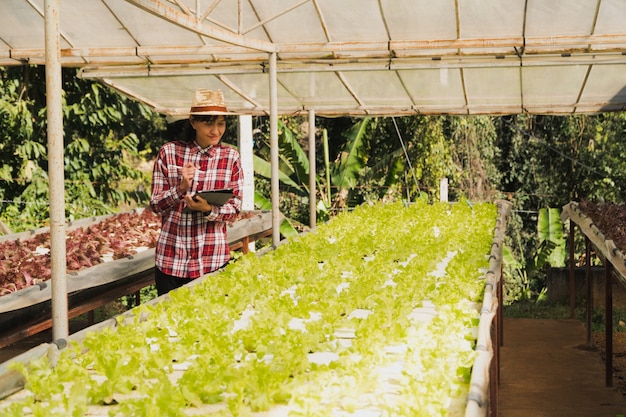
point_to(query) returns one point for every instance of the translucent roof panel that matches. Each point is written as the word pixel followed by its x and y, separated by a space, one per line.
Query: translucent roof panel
pixel 147 29
pixel 79 25
pixel 552 86
pixel 300 25
pixel 487 19
pixel 563 18
pixel 420 19
pixel 606 86
pixel 14 14
pixel 317 89
pixel 347 20
pixel 435 90
pixel 349 57
pixel 501 89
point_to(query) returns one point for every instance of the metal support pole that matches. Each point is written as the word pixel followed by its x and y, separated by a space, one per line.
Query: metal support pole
pixel 274 151
pixel 54 113
pixel 312 182
pixel 245 144
pixel 572 279
pixel 608 321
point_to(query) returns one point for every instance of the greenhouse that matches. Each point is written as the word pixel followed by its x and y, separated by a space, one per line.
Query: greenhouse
pixel 316 58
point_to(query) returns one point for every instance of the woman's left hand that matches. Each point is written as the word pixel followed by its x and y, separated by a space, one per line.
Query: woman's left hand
pixel 197 203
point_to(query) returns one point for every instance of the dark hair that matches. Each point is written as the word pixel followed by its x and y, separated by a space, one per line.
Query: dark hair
pixel 189 133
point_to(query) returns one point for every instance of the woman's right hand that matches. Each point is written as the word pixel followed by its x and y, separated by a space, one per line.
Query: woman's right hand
pixel 187 177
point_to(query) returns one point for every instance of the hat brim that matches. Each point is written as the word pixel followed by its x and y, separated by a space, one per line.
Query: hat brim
pixel 211 113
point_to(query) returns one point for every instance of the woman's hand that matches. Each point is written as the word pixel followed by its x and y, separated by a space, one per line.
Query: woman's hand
pixel 197 203
pixel 188 172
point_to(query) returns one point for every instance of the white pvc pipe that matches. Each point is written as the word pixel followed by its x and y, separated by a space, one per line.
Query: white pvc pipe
pixel 54 113
pixel 312 183
pixel 274 151
pixel 443 189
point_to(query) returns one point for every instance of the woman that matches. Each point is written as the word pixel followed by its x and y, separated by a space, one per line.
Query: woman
pixel 193 238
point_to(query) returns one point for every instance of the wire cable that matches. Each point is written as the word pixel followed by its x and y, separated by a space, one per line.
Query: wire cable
pixel 535 139
pixel 406 154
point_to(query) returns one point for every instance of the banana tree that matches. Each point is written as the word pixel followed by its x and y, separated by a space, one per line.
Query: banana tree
pixel 346 172
pixel 293 170
pixel 550 250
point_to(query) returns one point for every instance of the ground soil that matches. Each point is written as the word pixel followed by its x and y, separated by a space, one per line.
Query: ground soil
pixel 619 357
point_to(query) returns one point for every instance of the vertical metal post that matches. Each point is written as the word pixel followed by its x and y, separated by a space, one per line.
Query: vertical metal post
pixel 608 321
pixel 244 142
pixel 493 389
pixel 572 278
pixel 312 170
pixel 54 113
pixel 274 151
pixel 589 281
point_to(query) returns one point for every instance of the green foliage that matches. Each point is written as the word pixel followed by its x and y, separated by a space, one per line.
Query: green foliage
pixel 105 135
pixel 321 323
pixel 525 276
pixel 372 159
pixel 548 161
pixel 474 154
pixel 293 171
pixel 350 161
pixel 533 161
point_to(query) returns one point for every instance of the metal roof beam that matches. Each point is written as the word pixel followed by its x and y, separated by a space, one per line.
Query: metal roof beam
pixel 393 49
pixel 255 67
pixel 195 25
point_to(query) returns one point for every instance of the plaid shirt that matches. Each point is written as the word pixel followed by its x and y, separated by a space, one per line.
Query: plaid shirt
pixel 193 244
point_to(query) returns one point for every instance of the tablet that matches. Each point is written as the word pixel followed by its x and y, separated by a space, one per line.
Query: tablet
pixel 216 197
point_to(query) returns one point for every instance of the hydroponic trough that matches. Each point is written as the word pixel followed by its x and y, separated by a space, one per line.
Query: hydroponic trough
pixel 482 395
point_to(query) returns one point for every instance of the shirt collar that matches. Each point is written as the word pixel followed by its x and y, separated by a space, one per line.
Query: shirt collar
pixel 209 150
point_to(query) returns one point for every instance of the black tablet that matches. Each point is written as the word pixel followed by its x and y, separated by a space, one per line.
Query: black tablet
pixel 216 197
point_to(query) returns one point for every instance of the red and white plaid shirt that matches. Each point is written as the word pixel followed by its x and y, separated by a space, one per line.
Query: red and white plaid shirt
pixel 193 244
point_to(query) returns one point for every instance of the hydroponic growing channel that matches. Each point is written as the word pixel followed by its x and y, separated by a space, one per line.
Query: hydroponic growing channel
pixel 382 311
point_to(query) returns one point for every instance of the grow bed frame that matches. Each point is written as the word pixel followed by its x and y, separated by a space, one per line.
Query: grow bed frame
pixel 615 271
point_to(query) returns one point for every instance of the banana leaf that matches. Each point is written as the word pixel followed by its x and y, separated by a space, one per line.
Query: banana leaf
pixel 346 174
pixel 263 203
pixel 550 235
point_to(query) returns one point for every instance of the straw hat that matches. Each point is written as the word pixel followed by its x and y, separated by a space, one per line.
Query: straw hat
pixel 208 102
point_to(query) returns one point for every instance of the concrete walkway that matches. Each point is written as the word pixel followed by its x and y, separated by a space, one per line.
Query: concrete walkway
pixel 544 372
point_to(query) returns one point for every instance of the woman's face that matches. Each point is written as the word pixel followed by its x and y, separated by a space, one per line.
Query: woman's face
pixel 209 132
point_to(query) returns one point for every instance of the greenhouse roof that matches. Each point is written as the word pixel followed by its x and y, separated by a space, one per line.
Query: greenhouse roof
pixel 340 57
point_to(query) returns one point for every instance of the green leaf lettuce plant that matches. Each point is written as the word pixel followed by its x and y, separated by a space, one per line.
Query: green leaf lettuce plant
pixel 374 311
